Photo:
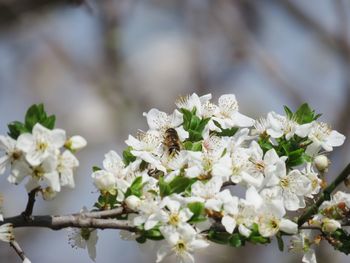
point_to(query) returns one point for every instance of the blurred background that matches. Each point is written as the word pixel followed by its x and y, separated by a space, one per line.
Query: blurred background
pixel 99 64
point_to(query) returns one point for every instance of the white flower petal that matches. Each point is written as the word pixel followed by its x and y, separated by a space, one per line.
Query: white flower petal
pixel 288 226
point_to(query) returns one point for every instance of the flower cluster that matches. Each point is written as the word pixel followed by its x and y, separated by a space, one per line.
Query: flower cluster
pixel 33 150
pixel 177 180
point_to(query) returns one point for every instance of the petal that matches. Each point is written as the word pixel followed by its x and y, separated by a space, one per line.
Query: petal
pixel 67 178
pixel 7 143
pixel 53 180
pixel 112 162
pixel 76 143
pixel 241 120
pixel 304 129
pixel 151 222
pixel 183 134
pixel 288 226
pixel 244 230
pixel 91 244
pixel 4 160
pixel 213 204
pixel 291 201
pixel 19 171
pixel 335 139
pixel 309 257
pixel 253 197
pixel 313 148
pixel 25 142
pixel 229 223
pixel 156 119
pixel 163 252
pixel 58 137
pixel 199 243
pixel 186 257
pixel 271 157
pixel 35 158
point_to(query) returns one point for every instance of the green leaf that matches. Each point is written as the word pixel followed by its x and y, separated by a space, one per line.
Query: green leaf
pixel 340 241
pixel 179 184
pixel 193 125
pixel 288 112
pixel 16 128
pixel 196 146
pixel 96 168
pixel 255 236
pixel 265 144
pixel 219 237
pixel 49 122
pixel 224 132
pixel 235 240
pixel 280 242
pixel 153 234
pixel 164 188
pixel 197 208
pixel 141 239
pixel 305 114
pixel 36 114
pixel 135 188
pixel 128 157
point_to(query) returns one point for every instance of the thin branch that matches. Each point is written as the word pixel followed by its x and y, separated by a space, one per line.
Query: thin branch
pixel 18 250
pixel 13 11
pixel 336 42
pixel 30 204
pixel 266 61
pixel 325 195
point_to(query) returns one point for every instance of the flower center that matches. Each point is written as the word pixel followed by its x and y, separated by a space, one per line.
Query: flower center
pixel 274 224
pixel 180 247
pixel 38 172
pixel 41 146
pixel 174 219
pixel 284 183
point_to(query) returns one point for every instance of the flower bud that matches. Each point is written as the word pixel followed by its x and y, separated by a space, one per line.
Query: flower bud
pixel 321 163
pixel 104 180
pixel 75 143
pixel 330 225
pixel 132 202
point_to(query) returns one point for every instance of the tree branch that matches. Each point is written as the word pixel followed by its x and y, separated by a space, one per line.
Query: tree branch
pixel 98 220
pixel 30 204
pixel 11 11
pixel 336 42
pixel 324 196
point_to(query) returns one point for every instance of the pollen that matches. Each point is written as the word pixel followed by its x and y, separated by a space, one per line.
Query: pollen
pixel 174 219
pixel 284 183
pixel 180 247
pixel 41 146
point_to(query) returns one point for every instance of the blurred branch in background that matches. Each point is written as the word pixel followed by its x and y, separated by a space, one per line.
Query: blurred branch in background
pixel 336 42
pixel 235 27
pixel 13 10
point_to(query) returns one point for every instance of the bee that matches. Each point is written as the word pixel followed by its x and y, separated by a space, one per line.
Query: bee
pixel 172 141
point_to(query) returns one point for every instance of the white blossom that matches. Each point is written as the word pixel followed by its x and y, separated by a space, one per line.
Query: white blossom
pixel 182 242
pixel 41 143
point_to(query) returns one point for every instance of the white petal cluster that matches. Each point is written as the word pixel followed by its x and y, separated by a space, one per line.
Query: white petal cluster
pixel 183 196
pixel 44 157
